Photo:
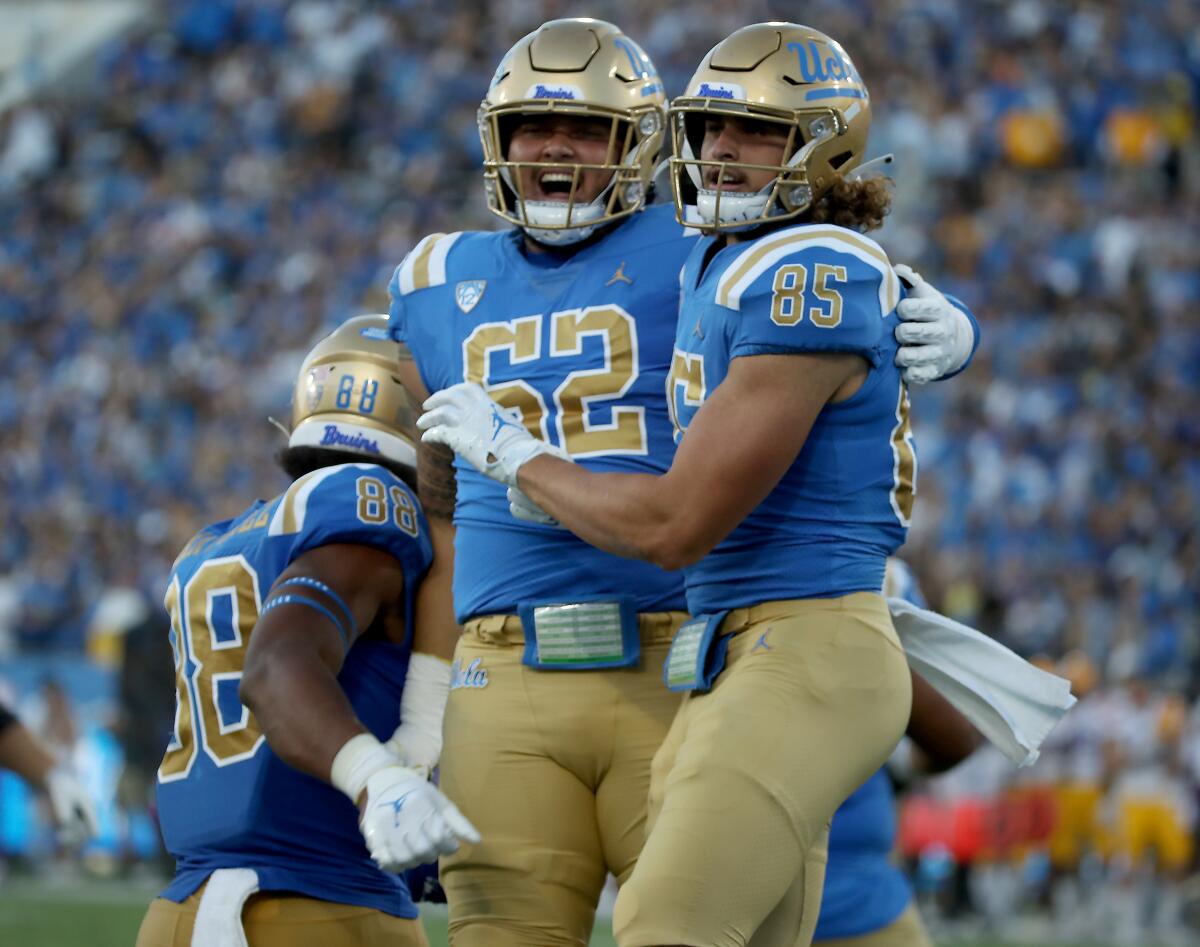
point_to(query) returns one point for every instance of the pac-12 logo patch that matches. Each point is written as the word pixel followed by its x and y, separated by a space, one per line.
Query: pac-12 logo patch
pixel 468 293
pixel 314 388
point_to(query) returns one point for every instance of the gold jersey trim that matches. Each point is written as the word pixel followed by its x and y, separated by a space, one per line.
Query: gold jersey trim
pixel 425 266
pixel 764 253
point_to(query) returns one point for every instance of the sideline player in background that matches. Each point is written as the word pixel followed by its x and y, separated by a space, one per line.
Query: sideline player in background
pixel 23 753
pixel 793 481
pixel 558 704
pixel 299 631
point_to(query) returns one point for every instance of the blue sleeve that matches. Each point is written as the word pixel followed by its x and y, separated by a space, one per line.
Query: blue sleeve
pixel 417 338
pixel 397 323
pixel 815 299
pixel 962 307
pixel 363 505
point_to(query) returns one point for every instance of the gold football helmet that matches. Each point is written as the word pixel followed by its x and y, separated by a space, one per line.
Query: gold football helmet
pixel 580 67
pixel 349 398
pixel 775 72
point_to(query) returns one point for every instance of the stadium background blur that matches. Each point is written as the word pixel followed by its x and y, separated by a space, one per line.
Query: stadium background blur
pixel 192 190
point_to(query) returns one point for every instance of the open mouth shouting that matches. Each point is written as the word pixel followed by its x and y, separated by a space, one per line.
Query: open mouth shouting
pixel 554 184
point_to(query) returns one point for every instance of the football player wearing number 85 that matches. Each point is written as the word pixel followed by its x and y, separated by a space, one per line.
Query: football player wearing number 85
pixel 793 481
pixel 306 631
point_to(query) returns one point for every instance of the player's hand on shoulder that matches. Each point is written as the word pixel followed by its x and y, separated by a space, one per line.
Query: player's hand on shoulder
pixel 490 437
pixel 407 821
pixel 935 336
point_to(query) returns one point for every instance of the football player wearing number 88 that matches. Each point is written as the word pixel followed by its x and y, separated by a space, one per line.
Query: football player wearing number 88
pixel 793 480
pixel 306 631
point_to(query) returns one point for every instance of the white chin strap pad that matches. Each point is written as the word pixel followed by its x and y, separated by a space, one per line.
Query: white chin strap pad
pixel 546 220
pixel 736 207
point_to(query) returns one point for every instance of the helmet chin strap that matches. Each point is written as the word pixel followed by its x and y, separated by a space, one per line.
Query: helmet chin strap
pixel 552 214
pixel 875 168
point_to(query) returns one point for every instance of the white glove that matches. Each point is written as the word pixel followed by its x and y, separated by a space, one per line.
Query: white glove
pixel 523 508
pixel 73 810
pixel 935 336
pixel 417 742
pixel 406 820
pixel 490 437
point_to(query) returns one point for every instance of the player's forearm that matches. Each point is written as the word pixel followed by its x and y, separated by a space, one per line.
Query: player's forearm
pixel 436 630
pixel 631 515
pixel 300 706
pixel 21 752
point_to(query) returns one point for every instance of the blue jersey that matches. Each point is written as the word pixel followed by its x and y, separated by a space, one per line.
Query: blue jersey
pixel 580 345
pixel 844 504
pixel 224 798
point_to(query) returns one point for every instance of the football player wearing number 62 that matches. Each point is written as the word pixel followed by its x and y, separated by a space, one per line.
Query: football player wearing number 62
pixel 792 482
pixel 306 631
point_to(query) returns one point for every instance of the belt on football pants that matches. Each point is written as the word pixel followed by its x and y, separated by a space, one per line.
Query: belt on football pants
pixel 653 628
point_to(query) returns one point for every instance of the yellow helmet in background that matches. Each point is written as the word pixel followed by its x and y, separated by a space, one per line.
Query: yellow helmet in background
pixel 581 67
pixel 348 396
pixel 777 72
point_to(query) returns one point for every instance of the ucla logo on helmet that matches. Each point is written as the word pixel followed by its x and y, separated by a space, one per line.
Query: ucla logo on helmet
pixel 468 293
pixel 543 91
pixel 720 90
pixel 643 68
pixel 819 63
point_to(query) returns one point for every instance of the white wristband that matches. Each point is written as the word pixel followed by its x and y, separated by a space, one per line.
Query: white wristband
pixel 360 758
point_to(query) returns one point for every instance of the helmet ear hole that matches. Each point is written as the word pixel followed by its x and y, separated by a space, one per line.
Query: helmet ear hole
pixel 838 160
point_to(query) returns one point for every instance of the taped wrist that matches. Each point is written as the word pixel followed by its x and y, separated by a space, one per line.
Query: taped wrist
pixel 360 758
pixel 422 709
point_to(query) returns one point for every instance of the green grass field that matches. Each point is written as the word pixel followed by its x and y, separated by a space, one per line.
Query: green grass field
pixel 107 914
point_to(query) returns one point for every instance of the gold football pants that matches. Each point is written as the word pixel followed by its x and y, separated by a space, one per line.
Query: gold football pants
pixel 553 768
pixel 815 695
pixel 273 919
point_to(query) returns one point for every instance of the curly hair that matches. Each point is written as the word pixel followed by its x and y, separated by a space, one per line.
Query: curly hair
pixel 855 204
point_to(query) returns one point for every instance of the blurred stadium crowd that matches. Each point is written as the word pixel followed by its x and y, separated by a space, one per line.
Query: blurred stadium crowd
pixel 235 177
